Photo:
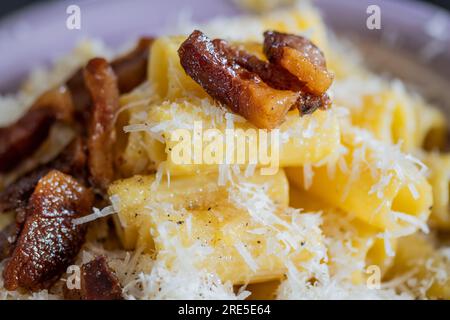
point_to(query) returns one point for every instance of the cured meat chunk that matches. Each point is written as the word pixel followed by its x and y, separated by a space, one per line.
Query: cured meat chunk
pixel 225 80
pixel 71 161
pixel 102 85
pixel 301 58
pixel 48 241
pixel 20 139
pixel 98 281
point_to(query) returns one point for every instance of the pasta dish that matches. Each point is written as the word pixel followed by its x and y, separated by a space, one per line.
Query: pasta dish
pixel 254 157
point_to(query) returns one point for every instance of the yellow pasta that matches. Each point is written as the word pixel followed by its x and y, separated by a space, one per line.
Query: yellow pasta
pixel 166 75
pixel 373 182
pixel 309 139
pixel 423 269
pixel 394 117
pixel 234 243
pixel 352 245
pixel 439 178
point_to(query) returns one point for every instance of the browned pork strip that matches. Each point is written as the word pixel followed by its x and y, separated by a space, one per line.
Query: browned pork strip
pixel 22 138
pixel 276 76
pixel 300 57
pixel 71 161
pixel 131 71
pixel 98 281
pixel 102 86
pixel 49 241
pixel 225 80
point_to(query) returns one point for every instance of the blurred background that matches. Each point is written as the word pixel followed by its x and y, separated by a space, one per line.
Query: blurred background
pixel 7 7
pixel 413 43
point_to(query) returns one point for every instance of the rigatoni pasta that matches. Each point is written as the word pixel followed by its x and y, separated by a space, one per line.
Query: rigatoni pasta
pixel 439 178
pixel 376 183
pixel 300 140
pixel 242 240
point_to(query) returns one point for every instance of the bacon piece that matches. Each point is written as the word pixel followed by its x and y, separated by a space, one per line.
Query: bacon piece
pixel 80 95
pixel 98 281
pixel 102 85
pixel 49 241
pixel 308 103
pixel 225 80
pixel 71 161
pixel 275 76
pixel 131 71
pixel 20 139
pixel 301 58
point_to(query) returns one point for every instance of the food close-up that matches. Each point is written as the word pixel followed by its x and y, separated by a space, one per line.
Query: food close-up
pixel 261 152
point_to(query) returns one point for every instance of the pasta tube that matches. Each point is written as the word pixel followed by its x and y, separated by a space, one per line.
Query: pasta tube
pixel 244 231
pixel 374 182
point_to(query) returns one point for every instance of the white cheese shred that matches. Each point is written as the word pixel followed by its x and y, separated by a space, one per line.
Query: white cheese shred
pixel 97 214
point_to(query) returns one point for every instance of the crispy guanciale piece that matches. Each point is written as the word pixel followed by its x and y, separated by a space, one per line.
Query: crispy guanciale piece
pixel 20 139
pixel 49 241
pixel 80 95
pixel 71 160
pixel 98 281
pixel 275 76
pixel 301 58
pixel 225 80
pixel 102 85
pixel 130 69
pixel 308 103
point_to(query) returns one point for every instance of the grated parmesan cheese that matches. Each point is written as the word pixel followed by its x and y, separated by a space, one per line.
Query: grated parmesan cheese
pixel 97 214
pixel 246 255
